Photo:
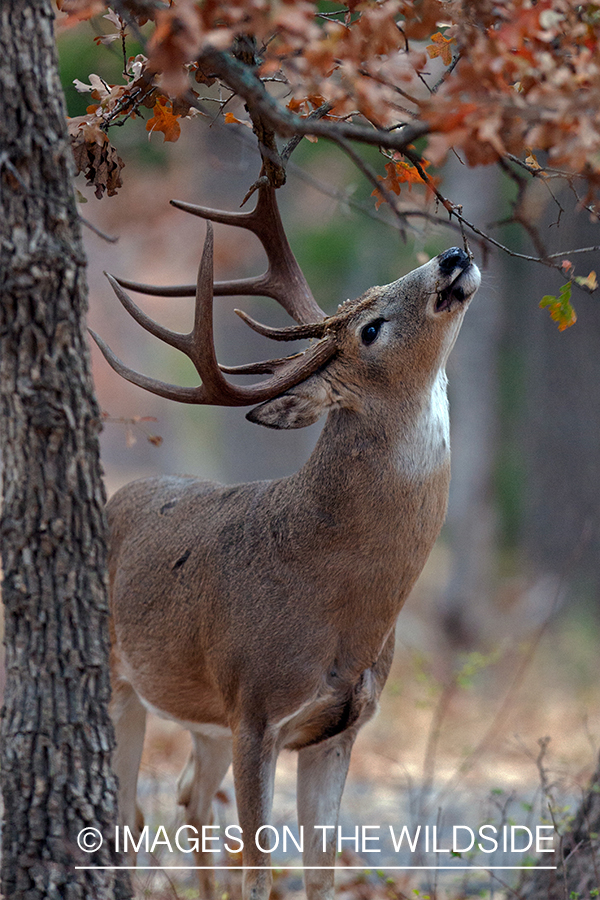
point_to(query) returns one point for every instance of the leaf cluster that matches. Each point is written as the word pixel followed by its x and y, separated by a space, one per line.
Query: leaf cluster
pixel 514 83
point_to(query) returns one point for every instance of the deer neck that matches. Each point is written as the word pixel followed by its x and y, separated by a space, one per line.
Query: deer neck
pixel 382 455
pixel 373 499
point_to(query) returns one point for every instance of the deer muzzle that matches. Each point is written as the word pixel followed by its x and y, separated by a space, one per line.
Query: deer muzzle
pixel 463 279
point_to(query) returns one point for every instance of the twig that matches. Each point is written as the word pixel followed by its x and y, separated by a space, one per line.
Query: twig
pixel 517 205
pixel 246 83
pixel 122 10
pixel 453 210
pixel 345 198
pixel 294 141
pixel 447 72
pixel 573 251
pixel 101 234
pixel 243 134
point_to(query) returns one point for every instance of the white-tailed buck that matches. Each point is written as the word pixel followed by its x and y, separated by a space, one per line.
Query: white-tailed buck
pixel 262 615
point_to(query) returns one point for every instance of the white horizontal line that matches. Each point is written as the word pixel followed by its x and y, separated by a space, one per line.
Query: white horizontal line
pixel 337 868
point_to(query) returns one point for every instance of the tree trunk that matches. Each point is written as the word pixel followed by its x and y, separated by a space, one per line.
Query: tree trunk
pixel 56 734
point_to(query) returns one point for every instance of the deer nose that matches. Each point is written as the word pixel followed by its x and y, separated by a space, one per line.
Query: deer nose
pixel 452 259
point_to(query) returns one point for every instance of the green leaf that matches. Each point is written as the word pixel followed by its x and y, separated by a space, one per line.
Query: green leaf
pixel 560 307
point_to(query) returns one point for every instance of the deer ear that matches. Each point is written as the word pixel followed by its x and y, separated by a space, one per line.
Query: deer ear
pixel 300 406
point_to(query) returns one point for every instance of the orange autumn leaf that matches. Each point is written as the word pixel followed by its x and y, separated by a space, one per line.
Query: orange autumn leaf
pixel 440 47
pixel 164 120
pixel 398 172
pixel 230 119
pixel 531 159
pixel 305 105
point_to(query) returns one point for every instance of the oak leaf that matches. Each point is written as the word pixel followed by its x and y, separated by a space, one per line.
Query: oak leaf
pixel 440 47
pixel 398 171
pixel 164 120
pixel 531 159
pixel 230 119
pixel 96 157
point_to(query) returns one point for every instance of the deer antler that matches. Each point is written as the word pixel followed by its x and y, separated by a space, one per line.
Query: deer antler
pixel 283 281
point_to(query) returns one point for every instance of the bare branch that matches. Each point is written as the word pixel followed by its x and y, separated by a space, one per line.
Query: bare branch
pixel 455 210
pixel 293 142
pixel 101 234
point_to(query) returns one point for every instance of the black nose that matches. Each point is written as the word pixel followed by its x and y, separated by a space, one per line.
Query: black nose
pixel 452 259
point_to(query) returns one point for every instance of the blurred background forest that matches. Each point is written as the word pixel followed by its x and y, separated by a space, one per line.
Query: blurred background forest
pixel 498 646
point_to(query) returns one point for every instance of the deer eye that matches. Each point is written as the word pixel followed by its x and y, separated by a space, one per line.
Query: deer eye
pixel 371 331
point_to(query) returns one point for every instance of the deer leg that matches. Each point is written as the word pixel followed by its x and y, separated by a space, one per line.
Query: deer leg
pixel 198 783
pixel 322 771
pixel 129 721
pixel 254 759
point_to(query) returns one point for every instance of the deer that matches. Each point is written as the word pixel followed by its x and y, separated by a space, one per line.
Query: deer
pixel 262 616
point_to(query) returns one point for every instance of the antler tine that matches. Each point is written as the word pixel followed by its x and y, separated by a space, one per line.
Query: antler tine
pixel 177 290
pixel 255 286
pixel 265 367
pixel 283 280
pixel 198 345
pixel 173 338
pixel 289 333
pixel 161 388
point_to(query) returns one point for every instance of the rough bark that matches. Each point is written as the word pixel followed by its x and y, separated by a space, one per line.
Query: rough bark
pixel 56 735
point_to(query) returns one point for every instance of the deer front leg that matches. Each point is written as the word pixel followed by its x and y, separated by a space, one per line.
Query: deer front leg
pixel 322 771
pixel 254 759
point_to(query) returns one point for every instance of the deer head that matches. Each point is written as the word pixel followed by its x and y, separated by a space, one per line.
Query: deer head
pixel 391 335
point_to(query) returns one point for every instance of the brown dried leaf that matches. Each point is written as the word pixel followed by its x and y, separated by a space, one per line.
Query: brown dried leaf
pixel 79 10
pixel 175 43
pixel 98 160
pixel 440 47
